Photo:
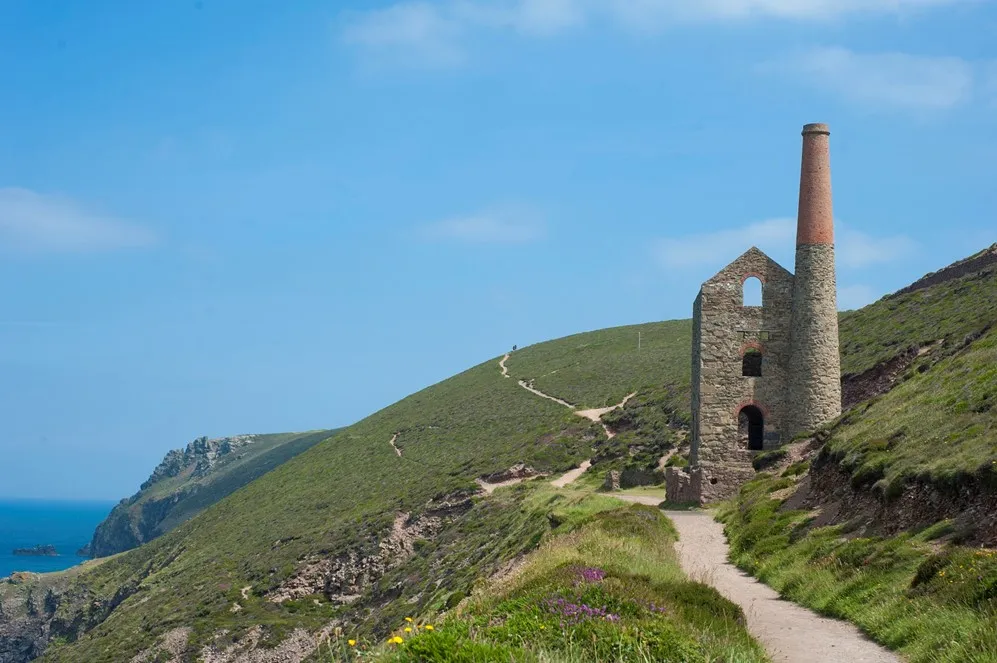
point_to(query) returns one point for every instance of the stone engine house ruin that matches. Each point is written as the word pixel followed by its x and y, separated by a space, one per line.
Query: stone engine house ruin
pixel 764 371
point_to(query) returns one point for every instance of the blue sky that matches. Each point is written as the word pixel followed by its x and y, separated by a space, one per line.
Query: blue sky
pixel 223 217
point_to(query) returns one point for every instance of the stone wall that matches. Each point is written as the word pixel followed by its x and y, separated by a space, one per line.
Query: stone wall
pixel 815 381
pixel 723 329
pixel 683 486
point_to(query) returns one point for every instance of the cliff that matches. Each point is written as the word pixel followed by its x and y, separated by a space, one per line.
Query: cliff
pixel 189 480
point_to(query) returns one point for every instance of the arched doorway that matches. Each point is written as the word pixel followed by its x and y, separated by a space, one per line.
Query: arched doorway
pixel 751 427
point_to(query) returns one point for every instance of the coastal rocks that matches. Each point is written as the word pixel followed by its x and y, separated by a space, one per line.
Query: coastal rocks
pixel 37 551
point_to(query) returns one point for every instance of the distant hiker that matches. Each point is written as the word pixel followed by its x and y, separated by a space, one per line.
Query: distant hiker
pixel 514 348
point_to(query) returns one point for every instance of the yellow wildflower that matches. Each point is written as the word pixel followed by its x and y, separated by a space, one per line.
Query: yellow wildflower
pixel 429 627
pixel 396 640
pixel 408 619
pixel 352 643
pixel 408 630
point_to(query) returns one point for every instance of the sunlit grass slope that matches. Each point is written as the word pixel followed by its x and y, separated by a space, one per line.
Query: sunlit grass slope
pixel 939 425
pixel 951 310
pixel 335 496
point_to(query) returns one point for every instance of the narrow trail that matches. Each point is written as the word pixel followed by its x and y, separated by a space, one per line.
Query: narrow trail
pixel 571 475
pixel 530 388
pixel 596 414
pixel 392 443
pixel 789 632
pixel 593 414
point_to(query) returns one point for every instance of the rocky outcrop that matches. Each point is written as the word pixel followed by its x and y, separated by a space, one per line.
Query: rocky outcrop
pixel 37 608
pixel 189 480
pixel 37 551
pixel 343 579
pixel 198 459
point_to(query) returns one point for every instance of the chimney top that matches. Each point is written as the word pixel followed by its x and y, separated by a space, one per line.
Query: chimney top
pixel 816 128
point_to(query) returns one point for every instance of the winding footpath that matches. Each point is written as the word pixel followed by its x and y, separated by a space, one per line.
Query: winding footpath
pixel 392 443
pixel 595 414
pixel 789 632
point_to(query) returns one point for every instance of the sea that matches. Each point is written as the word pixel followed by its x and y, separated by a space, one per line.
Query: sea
pixel 28 523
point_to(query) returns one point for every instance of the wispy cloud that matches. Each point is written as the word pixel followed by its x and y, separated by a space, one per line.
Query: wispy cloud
pixel 497 227
pixel 776 237
pixel 888 81
pixel 854 248
pixel 771 236
pixel 436 33
pixel 855 296
pixel 414 33
pixel 32 222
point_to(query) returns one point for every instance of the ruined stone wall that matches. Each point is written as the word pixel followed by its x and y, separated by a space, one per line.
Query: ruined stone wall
pixel 683 486
pixel 723 329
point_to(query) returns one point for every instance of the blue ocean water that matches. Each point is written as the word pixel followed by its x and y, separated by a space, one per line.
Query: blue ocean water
pixel 66 525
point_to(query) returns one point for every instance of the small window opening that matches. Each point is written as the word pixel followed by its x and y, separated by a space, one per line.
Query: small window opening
pixel 751 363
pixel 751 427
pixel 752 292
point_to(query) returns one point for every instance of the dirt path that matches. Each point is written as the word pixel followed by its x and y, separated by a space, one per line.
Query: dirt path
pixel 789 632
pixel 571 475
pixel 595 414
pixel 392 443
pixel 530 388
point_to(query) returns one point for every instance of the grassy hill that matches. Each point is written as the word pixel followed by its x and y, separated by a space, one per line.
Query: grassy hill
pixel 349 533
pixel 190 480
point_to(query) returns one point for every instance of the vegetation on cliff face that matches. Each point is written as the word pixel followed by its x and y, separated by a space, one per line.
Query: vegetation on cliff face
pixel 192 479
pixel 925 598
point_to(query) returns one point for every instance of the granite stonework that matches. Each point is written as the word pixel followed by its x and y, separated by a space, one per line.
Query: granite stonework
pixel 736 413
pixel 724 330
pixel 815 381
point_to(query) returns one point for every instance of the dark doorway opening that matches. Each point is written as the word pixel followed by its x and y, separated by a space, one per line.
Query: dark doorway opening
pixel 751 363
pixel 751 427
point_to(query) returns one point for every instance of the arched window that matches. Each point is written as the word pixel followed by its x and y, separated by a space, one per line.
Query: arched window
pixel 752 292
pixel 751 363
pixel 751 427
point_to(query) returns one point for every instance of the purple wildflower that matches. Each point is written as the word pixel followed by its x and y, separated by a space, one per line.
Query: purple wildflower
pixel 574 613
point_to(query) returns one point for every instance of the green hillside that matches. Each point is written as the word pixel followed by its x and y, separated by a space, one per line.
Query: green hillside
pixel 190 480
pixel 350 532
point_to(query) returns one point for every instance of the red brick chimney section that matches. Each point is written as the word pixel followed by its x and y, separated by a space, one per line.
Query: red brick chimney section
pixel 815 222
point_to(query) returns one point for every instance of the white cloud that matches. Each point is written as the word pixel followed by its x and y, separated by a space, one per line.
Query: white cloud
pixel 771 236
pixel 777 237
pixel 435 32
pixel 417 33
pixel 855 296
pixel 889 81
pixel 33 222
pixel 854 248
pixel 489 228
